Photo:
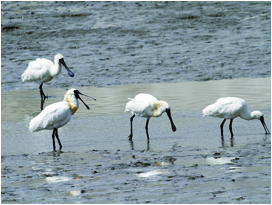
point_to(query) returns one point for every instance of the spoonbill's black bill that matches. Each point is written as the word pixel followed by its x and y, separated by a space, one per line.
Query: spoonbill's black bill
pixel 71 74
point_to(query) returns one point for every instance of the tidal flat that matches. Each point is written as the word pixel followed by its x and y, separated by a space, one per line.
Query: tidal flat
pixel 98 164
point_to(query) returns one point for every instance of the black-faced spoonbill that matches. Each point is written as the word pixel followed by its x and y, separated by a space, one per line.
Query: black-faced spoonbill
pixel 57 115
pixel 230 108
pixel 145 105
pixel 42 70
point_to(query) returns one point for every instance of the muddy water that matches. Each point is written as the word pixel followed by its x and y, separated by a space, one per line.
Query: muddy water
pixel 98 164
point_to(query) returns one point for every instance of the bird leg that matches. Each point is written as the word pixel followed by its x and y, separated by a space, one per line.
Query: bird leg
pixel 42 103
pixel 230 128
pixel 147 146
pixel 53 138
pixel 130 136
pixel 146 129
pixel 55 133
pixel 57 136
pixel 131 144
pixel 41 92
pixel 221 126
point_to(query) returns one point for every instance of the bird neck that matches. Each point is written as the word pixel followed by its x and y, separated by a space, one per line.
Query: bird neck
pixel 56 68
pixel 157 109
pixel 72 103
pixel 247 115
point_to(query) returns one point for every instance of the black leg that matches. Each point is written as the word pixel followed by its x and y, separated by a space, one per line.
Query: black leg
pixel 130 136
pixel 146 129
pixel 131 144
pixel 42 103
pixel 53 138
pixel 221 126
pixel 57 136
pixel 41 92
pixel 230 128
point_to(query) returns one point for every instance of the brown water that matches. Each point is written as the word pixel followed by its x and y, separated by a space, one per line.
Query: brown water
pixel 98 164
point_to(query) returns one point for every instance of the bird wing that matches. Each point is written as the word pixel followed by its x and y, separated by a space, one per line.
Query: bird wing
pixel 53 116
pixel 37 70
pixel 138 107
pixel 227 108
pixel 145 97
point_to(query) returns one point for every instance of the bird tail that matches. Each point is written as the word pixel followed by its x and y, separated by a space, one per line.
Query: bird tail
pixel 23 77
pixel 128 105
pixel 208 110
pixel 34 125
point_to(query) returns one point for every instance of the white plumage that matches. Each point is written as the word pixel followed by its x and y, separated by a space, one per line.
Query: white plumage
pixel 147 106
pixel 42 70
pixel 230 108
pixel 53 116
pixel 57 115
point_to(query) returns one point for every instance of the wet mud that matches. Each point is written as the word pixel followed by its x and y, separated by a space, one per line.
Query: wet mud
pixel 98 164
pixel 238 173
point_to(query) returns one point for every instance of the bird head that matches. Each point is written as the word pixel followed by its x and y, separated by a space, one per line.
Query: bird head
pixel 60 60
pixel 73 94
pixel 259 116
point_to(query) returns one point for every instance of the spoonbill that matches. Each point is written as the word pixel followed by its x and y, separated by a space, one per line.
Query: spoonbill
pixel 230 108
pixel 147 106
pixel 57 114
pixel 42 71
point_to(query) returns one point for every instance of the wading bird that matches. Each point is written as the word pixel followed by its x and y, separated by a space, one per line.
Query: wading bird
pixel 57 115
pixel 42 70
pixel 230 108
pixel 145 105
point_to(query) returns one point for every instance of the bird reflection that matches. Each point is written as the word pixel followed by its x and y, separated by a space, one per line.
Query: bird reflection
pixel 57 153
pixel 223 142
pixel 132 145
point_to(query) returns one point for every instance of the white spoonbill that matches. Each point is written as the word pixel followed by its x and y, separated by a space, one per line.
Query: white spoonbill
pixel 57 115
pixel 42 70
pixel 145 105
pixel 230 108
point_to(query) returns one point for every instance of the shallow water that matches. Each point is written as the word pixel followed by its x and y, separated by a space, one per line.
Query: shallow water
pixel 182 97
pixel 98 164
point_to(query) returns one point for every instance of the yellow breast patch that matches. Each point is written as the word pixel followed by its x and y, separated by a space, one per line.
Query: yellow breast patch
pixel 72 108
pixel 154 109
